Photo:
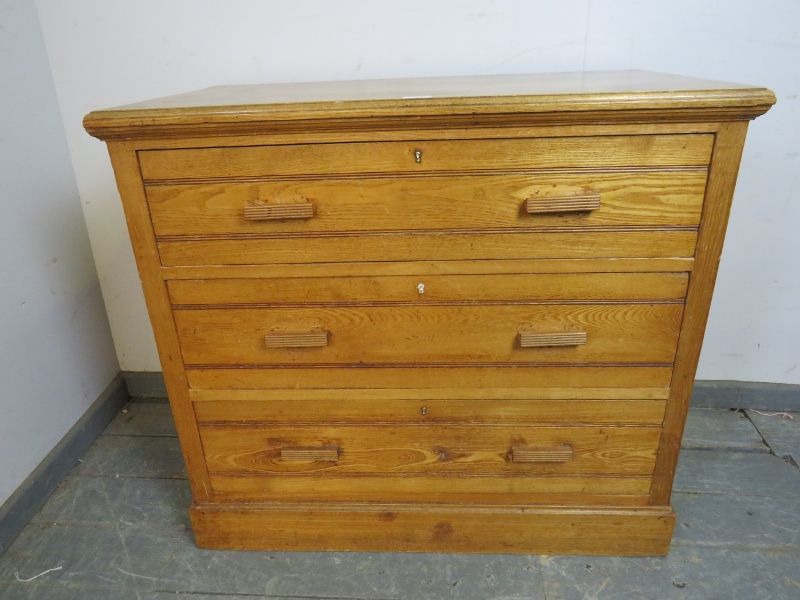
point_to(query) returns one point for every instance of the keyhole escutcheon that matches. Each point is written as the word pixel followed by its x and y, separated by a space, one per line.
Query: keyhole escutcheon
pixel 421 288
pixel 418 156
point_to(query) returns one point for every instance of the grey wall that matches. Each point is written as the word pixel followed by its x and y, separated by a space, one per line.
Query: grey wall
pixel 56 352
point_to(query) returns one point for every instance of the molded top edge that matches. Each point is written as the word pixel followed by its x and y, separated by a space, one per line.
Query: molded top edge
pixel 431 96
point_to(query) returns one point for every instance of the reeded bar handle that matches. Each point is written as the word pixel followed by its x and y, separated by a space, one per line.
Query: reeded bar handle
pixel 531 339
pixel 278 212
pixel 300 339
pixel 568 202
pixel 325 453
pixel 541 454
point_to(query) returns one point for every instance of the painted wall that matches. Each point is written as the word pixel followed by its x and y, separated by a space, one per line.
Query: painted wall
pixel 56 352
pixel 110 53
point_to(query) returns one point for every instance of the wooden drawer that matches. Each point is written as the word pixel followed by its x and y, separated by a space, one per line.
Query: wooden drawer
pixel 517 450
pixel 364 377
pixel 241 163
pixel 479 407
pixel 511 287
pixel 430 246
pixel 424 203
pixel 429 334
pixel 368 460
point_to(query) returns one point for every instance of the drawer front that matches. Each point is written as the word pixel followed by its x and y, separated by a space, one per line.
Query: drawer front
pixel 515 287
pixel 489 489
pixel 430 334
pixel 359 377
pixel 430 246
pixel 516 451
pixel 237 163
pixel 424 203
pixel 505 407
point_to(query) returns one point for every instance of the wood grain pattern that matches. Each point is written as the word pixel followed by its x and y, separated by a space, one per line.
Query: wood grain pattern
pixel 584 287
pixel 434 528
pixel 296 339
pixel 263 407
pixel 722 180
pixel 424 423
pixel 425 449
pixel 440 156
pixel 469 489
pixel 310 453
pixel 439 267
pixel 126 170
pixel 533 339
pixel 626 333
pixel 454 393
pixel 564 202
pixel 278 212
pixel 464 377
pixel 542 454
pixel 543 490
pixel 436 246
pixel 447 131
pixel 419 203
pixel 507 100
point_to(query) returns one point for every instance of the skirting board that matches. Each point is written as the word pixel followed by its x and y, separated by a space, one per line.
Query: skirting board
pixel 632 531
pixel 706 394
pixel 25 502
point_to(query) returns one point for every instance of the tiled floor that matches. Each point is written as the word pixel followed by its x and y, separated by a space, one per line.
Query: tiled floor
pixel 117 528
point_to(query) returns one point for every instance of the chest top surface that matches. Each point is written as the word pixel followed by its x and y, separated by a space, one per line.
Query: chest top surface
pixel 614 95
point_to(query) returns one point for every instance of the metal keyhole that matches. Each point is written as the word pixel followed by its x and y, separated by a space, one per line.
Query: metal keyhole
pixel 418 156
pixel 421 288
pixel 424 410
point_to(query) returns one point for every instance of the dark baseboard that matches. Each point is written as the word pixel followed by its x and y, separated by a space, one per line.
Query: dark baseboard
pixel 145 384
pixel 706 394
pixel 746 394
pixel 25 502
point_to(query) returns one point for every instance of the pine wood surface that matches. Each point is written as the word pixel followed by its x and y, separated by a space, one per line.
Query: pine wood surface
pixel 534 339
pixel 126 170
pixel 383 395
pixel 445 488
pixel 437 156
pixel 432 528
pixel 256 136
pixel 581 287
pixel 542 454
pixel 278 212
pixel 285 407
pixel 438 245
pixel 300 339
pixel 409 223
pixel 427 376
pixel 431 334
pixel 310 453
pixel 719 195
pixel 437 267
pixel 564 201
pixel 420 203
pixel 426 449
pixel 551 98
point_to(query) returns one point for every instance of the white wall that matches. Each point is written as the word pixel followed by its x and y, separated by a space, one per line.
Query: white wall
pixel 56 351
pixel 110 53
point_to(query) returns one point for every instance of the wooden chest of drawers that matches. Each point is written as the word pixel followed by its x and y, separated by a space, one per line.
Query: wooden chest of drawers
pixel 432 315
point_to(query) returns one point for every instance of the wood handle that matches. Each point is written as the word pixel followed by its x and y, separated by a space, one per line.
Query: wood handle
pixel 564 203
pixel 541 454
pixel 301 339
pixel 530 339
pixel 278 212
pixel 326 453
